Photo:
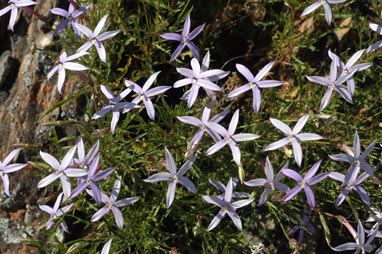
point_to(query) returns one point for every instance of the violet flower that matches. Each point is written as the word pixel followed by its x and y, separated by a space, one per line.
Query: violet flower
pixel 304 183
pixel 61 171
pixel 304 222
pixel 325 3
pixel 292 136
pixel 112 204
pixel 197 78
pixel 230 138
pixel 56 212
pixel 350 67
pixel 227 207
pixel 360 244
pixel 144 94
pixel 174 177
pixel 204 67
pixel 378 44
pixel 91 180
pixel 115 106
pixel 95 38
pixel 64 64
pixel 202 124
pixel 13 7
pixel 70 16
pixel 254 83
pixel 185 39
pixel 355 158
pixel 106 247
pixel 354 183
pixel 5 169
pixel 271 183
pixel 222 188
pixel 377 218
pixel 333 83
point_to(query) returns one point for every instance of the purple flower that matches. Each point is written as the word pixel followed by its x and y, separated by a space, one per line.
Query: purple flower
pixel 197 78
pixel 91 180
pixel 61 171
pixel 115 106
pixel 13 7
pixel 204 67
pixel 350 67
pixel 65 64
pixel 112 204
pixel 333 83
pixel 354 183
pixel 84 161
pixel 5 169
pixel 56 212
pixel 227 207
pixel 70 16
pixel 255 83
pixel 222 188
pixel 202 124
pixel 230 138
pixel 356 160
pixel 325 3
pixel 271 183
pixel 292 136
pixel 185 39
pixel 377 218
pixel 359 244
pixel 144 94
pixel 95 38
pixel 304 222
pixel 174 177
pixel 378 44
pixel 304 183
pixel 106 247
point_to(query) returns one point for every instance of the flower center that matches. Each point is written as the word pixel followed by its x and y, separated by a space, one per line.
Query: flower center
pixel 228 139
pixel 252 85
pixel 142 96
pixel 357 163
pixel 88 181
pixel 12 5
pixel 350 185
pixel 290 137
pixel 302 184
pixel 109 205
pixel 271 185
pixel 184 42
pixel 203 128
pixel 112 106
pixel 94 41
pixel 344 71
pixel 60 173
pixel 175 178
pixel 331 86
pixel 322 1
pixel 194 81
pixel 60 65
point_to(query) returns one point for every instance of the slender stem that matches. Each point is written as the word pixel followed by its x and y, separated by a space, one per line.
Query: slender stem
pixel 33 12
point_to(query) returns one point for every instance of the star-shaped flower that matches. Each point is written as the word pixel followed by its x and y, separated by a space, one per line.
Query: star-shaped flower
pixel 230 138
pixel 254 83
pixel 354 183
pixel 197 78
pixel 292 136
pixel 13 7
pixel 185 39
pixel 304 222
pixel 112 204
pixel 5 169
pixel 333 83
pixel 204 67
pixel 70 16
pixel 355 158
pixel 304 183
pixel 144 94
pixel 202 124
pixel 56 212
pixel 325 3
pixel 378 44
pixel 350 67
pixel 63 65
pixel 377 218
pixel 222 188
pixel 91 180
pixel 174 177
pixel 61 171
pixel 227 207
pixel 360 244
pixel 271 183
pixel 95 38
pixel 115 106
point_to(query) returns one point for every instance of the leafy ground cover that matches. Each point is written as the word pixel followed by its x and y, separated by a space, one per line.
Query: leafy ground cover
pixel 167 182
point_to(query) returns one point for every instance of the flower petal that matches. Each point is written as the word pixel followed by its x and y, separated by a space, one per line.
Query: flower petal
pixel 281 126
pixel 170 193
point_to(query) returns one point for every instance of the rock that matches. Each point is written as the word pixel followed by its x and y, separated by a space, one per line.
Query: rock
pixel 7 68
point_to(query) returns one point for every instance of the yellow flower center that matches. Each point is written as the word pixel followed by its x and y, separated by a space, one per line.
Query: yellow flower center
pixel 184 42
pixel 194 81
pixel 302 184
pixel 60 66
pixel 290 137
pixel 331 86
pixel 12 5
pixel 60 173
pixel 94 41
pixel 175 178
pixel 351 185
pixel 228 139
pixel 322 1
pixel 203 128
pixel 54 217
pixel 252 85
pixel 109 205
pixel 112 106
pixel 142 97
pixel 88 181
